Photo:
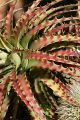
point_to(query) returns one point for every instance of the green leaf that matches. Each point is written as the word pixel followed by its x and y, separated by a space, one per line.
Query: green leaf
pixel 24 42
pixel 5 44
pixel 15 58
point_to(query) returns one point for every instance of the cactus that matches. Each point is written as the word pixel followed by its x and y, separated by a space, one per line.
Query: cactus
pixel 39 60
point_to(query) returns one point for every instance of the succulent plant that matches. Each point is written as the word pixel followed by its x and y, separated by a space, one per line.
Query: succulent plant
pixel 40 51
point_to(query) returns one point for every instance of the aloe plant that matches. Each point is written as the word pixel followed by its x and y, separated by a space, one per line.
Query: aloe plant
pixel 39 58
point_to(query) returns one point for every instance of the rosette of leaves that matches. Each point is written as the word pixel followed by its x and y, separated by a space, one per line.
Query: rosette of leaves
pixel 38 52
